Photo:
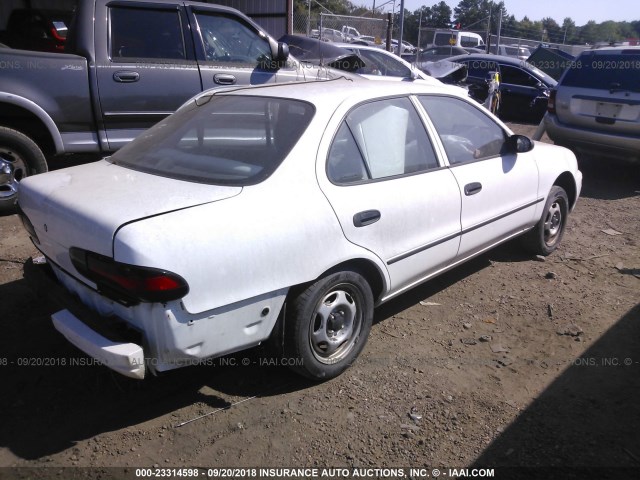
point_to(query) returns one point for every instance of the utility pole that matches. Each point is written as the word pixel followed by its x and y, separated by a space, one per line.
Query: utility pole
pixel 499 31
pixel 419 29
pixel 489 32
pixel 401 26
pixel 309 19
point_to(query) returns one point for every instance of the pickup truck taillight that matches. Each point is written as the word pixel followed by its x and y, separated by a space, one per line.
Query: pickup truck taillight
pixel 129 284
pixel 551 104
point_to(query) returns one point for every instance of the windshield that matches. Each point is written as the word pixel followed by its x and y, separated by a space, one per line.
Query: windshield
pixel 611 71
pixel 227 140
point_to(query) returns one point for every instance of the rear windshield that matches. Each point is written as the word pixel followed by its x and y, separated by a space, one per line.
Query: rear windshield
pixel 609 71
pixel 228 140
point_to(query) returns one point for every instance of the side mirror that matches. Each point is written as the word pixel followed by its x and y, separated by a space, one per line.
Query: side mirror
pixel 279 54
pixel 519 144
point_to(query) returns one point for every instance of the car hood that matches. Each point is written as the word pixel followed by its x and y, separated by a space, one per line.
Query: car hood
pixel 445 71
pixel 84 206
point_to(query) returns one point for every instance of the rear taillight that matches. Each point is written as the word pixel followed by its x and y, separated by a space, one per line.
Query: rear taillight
pixel 129 284
pixel 551 104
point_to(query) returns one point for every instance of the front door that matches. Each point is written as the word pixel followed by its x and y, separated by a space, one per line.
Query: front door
pixel 498 189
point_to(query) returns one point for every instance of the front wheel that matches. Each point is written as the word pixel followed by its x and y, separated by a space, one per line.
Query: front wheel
pixel 19 158
pixel 545 237
pixel 327 325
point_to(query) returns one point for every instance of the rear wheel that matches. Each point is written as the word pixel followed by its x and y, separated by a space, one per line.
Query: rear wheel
pixel 19 158
pixel 327 325
pixel 545 237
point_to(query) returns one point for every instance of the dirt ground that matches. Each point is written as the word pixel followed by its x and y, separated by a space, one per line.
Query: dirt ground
pixel 506 362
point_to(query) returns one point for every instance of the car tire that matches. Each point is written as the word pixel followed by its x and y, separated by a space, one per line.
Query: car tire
pixel 545 237
pixel 19 157
pixel 327 325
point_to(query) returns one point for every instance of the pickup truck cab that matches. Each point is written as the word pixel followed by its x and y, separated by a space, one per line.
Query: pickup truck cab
pixel 127 65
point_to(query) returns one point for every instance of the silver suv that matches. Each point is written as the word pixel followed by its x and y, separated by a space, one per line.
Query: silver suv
pixel 596 105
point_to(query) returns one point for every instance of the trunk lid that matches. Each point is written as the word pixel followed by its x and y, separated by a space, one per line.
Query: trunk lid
pixel 84 206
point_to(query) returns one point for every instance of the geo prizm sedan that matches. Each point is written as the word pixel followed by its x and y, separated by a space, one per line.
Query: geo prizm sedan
pixel 285 212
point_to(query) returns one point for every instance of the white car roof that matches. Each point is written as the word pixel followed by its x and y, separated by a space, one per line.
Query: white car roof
pixel 334 92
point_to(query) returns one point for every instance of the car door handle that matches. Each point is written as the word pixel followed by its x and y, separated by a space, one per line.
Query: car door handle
pixel 126 77
pixel 224 79
pixel 472 188
pixel 362 219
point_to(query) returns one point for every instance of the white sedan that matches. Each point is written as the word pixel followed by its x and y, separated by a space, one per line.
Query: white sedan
pixel 281 212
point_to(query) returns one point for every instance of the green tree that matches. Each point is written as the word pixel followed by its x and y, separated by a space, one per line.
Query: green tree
pixel 474 14
pixel 440 15
pixel 568 30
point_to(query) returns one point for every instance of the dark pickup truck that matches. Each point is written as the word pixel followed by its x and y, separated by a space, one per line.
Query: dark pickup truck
pixel 127 65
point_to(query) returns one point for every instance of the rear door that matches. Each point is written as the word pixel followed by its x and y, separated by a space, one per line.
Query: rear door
pixel 389 192
pixel 602 90
pixel 148 69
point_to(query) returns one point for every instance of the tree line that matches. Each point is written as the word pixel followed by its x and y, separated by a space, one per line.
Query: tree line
pixel 480 15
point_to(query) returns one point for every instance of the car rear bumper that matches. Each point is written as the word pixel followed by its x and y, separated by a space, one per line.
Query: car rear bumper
pixel 99 337
pixel 624 147
pixel 124 358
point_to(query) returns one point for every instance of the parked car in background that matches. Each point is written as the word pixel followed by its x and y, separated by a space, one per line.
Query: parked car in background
pixel 595 107
pixel 349 33
pixel 457 38
pixel 371 62
pixel 380 65
pixel 116 79
pixel 369 40
pixel 510 51
pixel 329 35
pixel 434 54
pixel 365 190
pixel 408 48
pixel 39 30
pixel 524 89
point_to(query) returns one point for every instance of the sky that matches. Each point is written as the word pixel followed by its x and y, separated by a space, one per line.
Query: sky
pixel 581 11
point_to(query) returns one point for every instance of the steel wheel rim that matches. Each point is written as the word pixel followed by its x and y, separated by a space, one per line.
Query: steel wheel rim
pixel 553 223
pixel 12 169
pixel 336 324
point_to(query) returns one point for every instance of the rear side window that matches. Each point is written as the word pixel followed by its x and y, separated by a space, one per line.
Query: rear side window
pixel 229 140
pixel 161 37
pixel 378 140
pixel 606 71
pixel 381 64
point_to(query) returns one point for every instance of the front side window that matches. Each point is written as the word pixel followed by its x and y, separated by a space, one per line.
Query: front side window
pixel 161 37
pixel 380 64
pixel 379 140
pixel 228 140
pixel 467 134
pixel 228 40
pixel 517 76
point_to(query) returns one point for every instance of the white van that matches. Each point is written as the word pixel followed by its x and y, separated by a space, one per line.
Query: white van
pixel 457 38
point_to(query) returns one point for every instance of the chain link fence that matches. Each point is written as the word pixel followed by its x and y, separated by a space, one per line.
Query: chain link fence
pixel 574 50
pixel 339 28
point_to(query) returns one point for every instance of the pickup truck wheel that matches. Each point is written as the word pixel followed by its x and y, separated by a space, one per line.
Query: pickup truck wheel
pixel 545 237
pixel 19 158
pixel 327 325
